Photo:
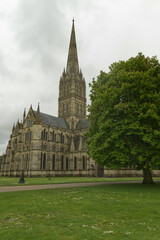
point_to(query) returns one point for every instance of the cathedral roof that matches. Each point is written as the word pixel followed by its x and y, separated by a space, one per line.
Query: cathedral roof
pixel 53 121
pixel 83 123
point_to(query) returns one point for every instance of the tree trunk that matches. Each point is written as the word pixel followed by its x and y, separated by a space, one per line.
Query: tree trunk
pixel 147 176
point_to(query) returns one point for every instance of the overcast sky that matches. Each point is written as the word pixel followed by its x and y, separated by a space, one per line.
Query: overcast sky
pixel 34 40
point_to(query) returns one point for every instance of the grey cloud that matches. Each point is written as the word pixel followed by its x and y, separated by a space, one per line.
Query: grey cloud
pixel 107 31
pixel 4 70
pixel 39 32
pixel 7 114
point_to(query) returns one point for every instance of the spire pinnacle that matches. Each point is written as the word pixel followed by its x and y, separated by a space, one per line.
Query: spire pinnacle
pixel 13 127
pixel 24 115
pixel 72 63
pixel 38 120
pixel 38 108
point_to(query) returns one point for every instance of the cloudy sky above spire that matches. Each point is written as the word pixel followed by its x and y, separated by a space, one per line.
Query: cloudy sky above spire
pixel 34 45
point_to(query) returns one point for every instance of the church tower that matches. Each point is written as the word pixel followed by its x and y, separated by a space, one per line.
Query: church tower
pixel 72 88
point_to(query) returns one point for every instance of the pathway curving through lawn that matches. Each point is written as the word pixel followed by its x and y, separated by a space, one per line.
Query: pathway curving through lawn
pixel 63 185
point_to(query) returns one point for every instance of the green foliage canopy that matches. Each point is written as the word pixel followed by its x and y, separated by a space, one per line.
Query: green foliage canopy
pixel 125 115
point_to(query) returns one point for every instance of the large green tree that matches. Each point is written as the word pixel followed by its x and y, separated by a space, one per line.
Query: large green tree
pixel 125 116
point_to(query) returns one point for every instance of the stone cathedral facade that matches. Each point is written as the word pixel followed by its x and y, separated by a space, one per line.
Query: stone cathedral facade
pixel 44 145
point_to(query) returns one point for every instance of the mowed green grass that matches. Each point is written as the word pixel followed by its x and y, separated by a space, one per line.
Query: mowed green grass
pixel 112 212
pixel 13 181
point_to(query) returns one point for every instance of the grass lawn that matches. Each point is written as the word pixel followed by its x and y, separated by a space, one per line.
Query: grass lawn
pixel 112 212
pixel 13 181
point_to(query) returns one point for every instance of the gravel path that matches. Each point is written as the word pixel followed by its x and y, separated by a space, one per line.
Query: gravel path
pixel 63 185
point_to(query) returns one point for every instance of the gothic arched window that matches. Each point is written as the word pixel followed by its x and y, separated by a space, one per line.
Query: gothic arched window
pixel 67 166
pixel 62 138
pixel 83 142
pixel 44 135
pixel 53 162
pixel 41 163
pixel 53 136
pixel 62 163
pixel 44 161
pixel 75 163
pixel 83 163
pixel 27 161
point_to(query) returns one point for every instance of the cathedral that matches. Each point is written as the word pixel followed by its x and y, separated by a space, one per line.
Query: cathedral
pixel 44 145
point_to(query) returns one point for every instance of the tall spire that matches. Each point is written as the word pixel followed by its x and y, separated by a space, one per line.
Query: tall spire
pixel 72 88
pixel 24 115
pixel 38 108
pixel 38 119
pixel 72 63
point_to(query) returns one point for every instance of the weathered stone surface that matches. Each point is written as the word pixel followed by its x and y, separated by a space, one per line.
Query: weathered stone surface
pixel 45 144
